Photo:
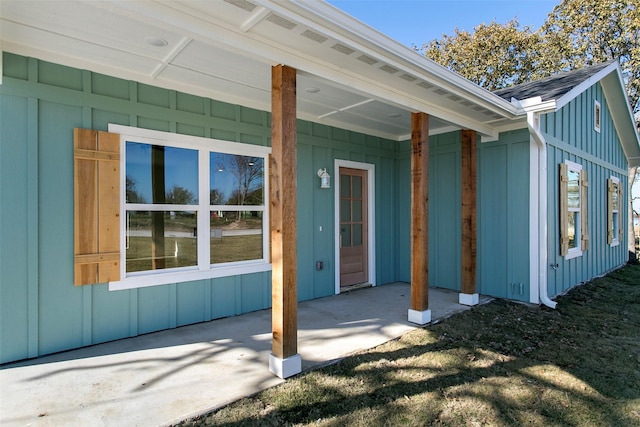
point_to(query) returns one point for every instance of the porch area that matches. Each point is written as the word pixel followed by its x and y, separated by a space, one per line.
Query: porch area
pixel 164 377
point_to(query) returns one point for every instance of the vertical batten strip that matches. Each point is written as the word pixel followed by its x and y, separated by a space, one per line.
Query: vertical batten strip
pixel 33 223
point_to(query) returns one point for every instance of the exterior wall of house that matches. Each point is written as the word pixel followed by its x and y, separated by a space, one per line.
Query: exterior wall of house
pixel 41 311
pixel 444 211
pixel 503 214
pixel 570 135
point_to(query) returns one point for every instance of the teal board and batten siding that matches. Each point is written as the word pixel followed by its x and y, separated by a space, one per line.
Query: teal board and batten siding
pixel 570 135
pixel 503 216
pixel 502 221
pixel 444 211
pixel 41 311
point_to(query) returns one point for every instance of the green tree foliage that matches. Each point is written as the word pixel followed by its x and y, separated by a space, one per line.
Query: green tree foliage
pixel 132 194
pixel 577 33
pixel 494 56
pixel 178 195
pixel 588 32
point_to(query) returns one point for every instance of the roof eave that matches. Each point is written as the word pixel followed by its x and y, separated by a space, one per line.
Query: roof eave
pixel 378 44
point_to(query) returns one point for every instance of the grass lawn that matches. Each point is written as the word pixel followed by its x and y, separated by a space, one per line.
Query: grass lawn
pixel 498 364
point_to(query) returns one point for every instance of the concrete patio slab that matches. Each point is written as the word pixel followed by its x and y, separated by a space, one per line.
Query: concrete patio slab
pixel 165 377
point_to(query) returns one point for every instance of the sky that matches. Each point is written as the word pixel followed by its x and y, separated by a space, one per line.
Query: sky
pixel 414 22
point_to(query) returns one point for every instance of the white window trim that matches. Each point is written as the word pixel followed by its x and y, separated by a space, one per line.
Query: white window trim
pixel 615 241
pixel 597 116
pixel 577 251
pixel 204 270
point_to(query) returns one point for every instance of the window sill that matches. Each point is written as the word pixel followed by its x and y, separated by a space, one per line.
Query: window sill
pixel 164 278
pixel 573 253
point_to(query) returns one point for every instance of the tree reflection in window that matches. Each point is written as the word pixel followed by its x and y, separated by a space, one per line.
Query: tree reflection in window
pixel 157 176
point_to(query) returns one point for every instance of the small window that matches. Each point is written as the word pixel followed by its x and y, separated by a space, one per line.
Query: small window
pixel 574 235
pixel 614 213
pixel 596 116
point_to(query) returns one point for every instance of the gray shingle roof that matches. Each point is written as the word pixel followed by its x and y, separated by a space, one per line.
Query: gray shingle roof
pixel 552 87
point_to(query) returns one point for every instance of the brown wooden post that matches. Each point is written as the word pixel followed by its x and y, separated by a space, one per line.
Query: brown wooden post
pixel 468 294
pixel 419 311
pixel 284 360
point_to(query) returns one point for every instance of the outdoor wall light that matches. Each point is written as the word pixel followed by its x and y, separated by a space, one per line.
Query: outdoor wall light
pixel 325 178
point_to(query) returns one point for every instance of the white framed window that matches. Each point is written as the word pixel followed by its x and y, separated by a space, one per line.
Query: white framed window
pixel 596 116
pixel 573 213
pixel 614 217
pixel 192 208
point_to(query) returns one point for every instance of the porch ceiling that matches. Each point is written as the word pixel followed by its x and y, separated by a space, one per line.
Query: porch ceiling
pixel 349 75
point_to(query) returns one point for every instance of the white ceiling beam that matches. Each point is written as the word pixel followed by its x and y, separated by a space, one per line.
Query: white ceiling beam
pixel 255 19
pixel 171 56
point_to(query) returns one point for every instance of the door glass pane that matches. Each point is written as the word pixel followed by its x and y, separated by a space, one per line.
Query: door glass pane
pixel 159 240
pixel 345 186
pixel 345 210
pixel 357 210
pixel 236 180
pixel 357 186
pixel 235 236
pixel 357 234
pixel 345 235
pixel 158 174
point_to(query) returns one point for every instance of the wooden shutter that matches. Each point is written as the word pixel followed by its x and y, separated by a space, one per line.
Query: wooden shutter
pixel 584 223
pixel 621 227
pixel 610 190
pixel 564 210
pixel 96 206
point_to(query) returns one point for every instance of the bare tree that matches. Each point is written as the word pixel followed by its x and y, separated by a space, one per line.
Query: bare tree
pixel 248 172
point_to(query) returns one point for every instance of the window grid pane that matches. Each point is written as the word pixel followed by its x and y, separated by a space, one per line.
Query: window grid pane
pixel 235 236
pixel 157 240
pixel 236 179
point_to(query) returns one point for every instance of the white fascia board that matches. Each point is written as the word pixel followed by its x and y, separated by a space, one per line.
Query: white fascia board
pixel 377 45
pixel 573 93
pixel 534 105
pixel 622 116
pixel 615 92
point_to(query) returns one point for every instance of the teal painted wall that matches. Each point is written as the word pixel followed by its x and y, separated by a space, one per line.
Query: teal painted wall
pixel 502 221
pixel 41 311
pixel 571 136
pixel 444 211
pixel 402 244
pixel 503 216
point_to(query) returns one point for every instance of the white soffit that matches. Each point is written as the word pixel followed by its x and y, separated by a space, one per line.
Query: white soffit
pixel 224 49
